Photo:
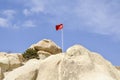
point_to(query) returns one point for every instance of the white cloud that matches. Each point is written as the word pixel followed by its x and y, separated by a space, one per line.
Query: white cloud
pixel 100 16
pixel 26 12
pixel 7 17
pixel 29 23
pixel 4 22
pixel 46 6
pixel 34 6
pixel 9 13
pixel 97 16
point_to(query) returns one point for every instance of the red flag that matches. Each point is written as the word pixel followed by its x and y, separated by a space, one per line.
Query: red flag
pixel 59 27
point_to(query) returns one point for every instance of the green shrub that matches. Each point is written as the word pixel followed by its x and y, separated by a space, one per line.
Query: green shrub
pixel 30 54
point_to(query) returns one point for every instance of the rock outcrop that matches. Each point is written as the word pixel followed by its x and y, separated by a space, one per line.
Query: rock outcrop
pixel 77 63
pixel 1 74
pixel 4 62
pixel 27 72
pixel 9 62
pixel 46 48
pixel 53 70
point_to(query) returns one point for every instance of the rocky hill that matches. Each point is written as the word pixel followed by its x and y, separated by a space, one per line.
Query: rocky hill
pixel 77 63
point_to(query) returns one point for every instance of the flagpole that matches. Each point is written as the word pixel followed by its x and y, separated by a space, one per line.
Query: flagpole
pixel 62 40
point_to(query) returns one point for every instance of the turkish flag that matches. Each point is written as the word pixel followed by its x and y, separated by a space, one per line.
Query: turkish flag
pixel 59 27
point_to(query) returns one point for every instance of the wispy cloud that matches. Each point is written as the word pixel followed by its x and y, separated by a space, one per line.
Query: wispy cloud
pixel 26 12
pixel 34 6
pixel 6 18
pixel 4 22
pixel 9 19
pixel 9 13
pixel 29 23
pixel 98 16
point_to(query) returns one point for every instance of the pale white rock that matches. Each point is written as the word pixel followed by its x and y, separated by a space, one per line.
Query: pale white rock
pixel 78 63
pixel 4 61
pixel 5 73
pixel 10 61
pixel 20 56
pixel 77 50
pixel 43 54
pixel 47 46
pixel 3 54
pixel 27 72
pixel 1 74
pixel 49 68
pixel 14 61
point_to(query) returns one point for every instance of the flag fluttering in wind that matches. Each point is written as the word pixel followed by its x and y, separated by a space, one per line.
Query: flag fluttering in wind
pixel 59 27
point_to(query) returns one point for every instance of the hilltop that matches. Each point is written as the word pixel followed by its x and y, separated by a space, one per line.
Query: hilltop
pixel 45 61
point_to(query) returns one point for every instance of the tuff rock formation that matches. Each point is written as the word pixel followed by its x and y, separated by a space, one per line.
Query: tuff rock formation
pixel 77 63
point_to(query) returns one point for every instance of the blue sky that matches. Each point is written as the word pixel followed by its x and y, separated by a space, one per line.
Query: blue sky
pixel 94 24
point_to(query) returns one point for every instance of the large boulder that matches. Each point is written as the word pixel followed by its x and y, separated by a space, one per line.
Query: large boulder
pixel 81 64
pixel 47 46
pixel 27 72
pixel 77 63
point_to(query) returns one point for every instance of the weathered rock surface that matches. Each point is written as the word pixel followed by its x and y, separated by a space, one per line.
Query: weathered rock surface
pixel 10 61
pixel 1 74
pixel 47 46
pixel 118 67
pixel 14 61
pixel 27 72
pixel 4 62
pixel 81 64
pixel 51 72
pixel 43 54
pixel 77 63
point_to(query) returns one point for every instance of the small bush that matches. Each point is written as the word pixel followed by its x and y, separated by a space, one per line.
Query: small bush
pixel 30 54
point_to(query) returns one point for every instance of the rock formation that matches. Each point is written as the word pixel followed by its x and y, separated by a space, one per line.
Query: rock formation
pixel 27 72
pixel 77 63
pixel 118 67
pixel 1 74
pixel 10 61
pixel 46 48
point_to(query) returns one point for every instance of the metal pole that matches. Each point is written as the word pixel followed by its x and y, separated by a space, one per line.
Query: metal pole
pixel 62 40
